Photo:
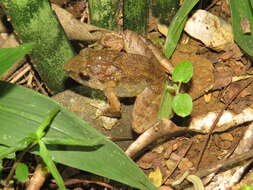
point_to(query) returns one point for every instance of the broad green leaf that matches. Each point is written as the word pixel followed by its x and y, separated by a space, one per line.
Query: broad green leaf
pixel 8 56
pixel 182 104
pixel 20 145
pixel 242 15
pixel 46 157
pixel 21 172
pixel 10 155
pixel 182 72
pixel 177 25
pixel 72 141
pixel 22 111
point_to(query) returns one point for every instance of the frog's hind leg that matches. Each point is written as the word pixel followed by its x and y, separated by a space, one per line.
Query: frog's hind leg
pixel 145 111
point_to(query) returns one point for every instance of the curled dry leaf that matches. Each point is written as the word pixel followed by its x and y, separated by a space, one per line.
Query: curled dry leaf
pixel 213 31
pixel 134 44
pixel 75 29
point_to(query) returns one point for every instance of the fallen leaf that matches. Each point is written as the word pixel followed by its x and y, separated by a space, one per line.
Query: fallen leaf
pixel 185 164
pixel 156 177
pixel 170 164
pixel 163 29
pixel 227 137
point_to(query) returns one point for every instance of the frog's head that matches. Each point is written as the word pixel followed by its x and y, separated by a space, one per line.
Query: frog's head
pixel 77 69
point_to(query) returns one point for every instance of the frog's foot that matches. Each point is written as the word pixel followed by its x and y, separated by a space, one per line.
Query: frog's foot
pixel 145 111
pixel 115 109
pixel 111 113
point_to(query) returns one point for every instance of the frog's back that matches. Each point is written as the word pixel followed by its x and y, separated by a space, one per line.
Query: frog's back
pixel 130 73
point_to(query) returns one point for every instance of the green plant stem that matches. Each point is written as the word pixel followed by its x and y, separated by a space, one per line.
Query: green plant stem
pixel 34 21
pixel 179 87
pixel 136 15
pixel 104 13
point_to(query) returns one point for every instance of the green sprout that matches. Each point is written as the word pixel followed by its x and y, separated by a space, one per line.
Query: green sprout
pixel 181 103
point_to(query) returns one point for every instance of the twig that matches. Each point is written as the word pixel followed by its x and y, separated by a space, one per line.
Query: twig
pixel 26 68
pixel 162 128
pixel 38 178
pixel 217 119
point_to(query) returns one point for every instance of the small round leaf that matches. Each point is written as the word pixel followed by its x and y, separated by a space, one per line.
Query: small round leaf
pixel 21 172
pixel 182 72
pixel 182 104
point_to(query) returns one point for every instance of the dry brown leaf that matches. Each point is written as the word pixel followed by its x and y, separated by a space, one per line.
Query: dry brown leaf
pixel 75 29
pixel 163 29
pixel 150 102
pixel 156 177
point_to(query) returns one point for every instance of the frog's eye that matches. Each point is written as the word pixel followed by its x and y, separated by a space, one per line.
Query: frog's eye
pixel 84 76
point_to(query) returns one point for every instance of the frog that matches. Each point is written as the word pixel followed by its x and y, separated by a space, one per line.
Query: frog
pixel 119 74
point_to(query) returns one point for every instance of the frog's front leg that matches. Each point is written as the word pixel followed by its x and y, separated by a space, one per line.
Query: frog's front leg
pixel 115 108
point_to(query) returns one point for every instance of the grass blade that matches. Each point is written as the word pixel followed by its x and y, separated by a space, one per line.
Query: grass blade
pixel 241 11
pixel 177 25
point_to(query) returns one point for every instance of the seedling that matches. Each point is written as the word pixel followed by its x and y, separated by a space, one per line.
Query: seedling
pixel 181 103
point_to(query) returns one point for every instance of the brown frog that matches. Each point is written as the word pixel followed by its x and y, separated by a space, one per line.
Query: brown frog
pixel 119 74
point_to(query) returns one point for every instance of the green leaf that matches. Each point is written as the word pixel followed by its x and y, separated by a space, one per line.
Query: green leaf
pixel 241 10
pixel 20 145
pixel 8 56
pixel 10 155
pixel 177 25
pixel 21 172
pixel 182 104
pixel 46 157
pixel 23 110
pixel 72 141
pixel 182 72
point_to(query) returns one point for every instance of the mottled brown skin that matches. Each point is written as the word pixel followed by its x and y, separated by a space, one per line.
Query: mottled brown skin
pixel 119 74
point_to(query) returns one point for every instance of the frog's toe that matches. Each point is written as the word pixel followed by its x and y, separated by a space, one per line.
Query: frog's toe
pixel 111 113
